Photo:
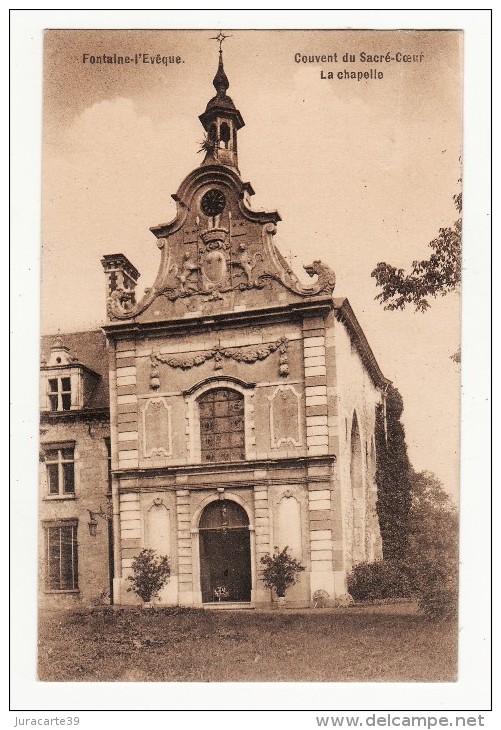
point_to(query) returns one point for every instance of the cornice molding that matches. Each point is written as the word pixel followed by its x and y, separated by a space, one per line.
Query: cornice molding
pixel 318 306
pixel 345 315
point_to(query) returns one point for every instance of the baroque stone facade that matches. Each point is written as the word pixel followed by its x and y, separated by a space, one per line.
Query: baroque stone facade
pixel 241 403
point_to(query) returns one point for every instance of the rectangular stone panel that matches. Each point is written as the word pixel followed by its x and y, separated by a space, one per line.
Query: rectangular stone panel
pixel 133 522
pixel 125 361
pixel 128 380
pixel 320 495
pixel 316 515
pixel 315 370
pixel 127 463
pixel 125 390
pixel 317 440
pixel 310 362
pixel 321 555
pixel 122 372
pixel 322 504
pixel 129 498
pixel 125 408
pixel 315 380
pixel 315 390
pixel 124 345
pixel 128 425
pixel 130 454
pixel 126 399
pixel 316 421
pixel 128 534
pixel 314 342
pixel 321 544
pixel 127 436
pixel 319 525
pixel 316 431
pixel 321 566
pixel 310 323
pixel 314 351
pixel 129 506
pixel 129 552
pixel 317 450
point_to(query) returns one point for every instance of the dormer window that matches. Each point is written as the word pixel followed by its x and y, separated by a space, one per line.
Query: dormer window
pixel 59 394
pixel 66 384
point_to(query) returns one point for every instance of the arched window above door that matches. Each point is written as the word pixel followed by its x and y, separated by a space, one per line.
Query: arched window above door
pixel 222 426
pixel 223 514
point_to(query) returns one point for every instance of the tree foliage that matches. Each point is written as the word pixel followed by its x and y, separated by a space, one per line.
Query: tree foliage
pixel 150 572
pixel 432 555
pixel 379 581
pixel 438 275
pixel 280 570
pixel 428 566
pixel 392 476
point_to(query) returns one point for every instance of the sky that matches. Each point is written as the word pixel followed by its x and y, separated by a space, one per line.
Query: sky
pixel 360 172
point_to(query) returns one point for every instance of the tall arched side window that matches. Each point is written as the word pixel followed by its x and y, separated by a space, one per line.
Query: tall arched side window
pixel 358 496
pixel 222 426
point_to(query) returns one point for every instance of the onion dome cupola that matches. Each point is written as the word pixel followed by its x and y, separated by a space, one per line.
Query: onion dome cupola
pixel 221 121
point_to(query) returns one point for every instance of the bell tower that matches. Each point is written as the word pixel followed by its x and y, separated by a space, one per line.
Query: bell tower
pixel 221 120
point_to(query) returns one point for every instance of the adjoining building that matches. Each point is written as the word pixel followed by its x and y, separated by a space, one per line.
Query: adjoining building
pixel 241 411
pixel 75 471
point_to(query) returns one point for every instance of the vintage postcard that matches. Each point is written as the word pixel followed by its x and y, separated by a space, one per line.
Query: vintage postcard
pixel 250 356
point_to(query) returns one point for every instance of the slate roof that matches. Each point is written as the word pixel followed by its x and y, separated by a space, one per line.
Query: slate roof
pixel 92 351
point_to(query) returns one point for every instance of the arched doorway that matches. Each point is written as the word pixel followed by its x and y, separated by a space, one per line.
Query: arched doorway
pixel 225 564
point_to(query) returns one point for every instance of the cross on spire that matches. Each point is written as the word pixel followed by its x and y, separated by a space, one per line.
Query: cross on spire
pixel 220 37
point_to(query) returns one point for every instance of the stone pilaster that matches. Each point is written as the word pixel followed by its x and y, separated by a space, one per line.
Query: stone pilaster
pixel 126 394
pixel 262 532
pixel 315 386
pixel 320 531
pixel 184 547
pixel 130 540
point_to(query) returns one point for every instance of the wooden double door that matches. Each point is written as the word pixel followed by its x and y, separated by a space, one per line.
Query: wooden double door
pixel 225 559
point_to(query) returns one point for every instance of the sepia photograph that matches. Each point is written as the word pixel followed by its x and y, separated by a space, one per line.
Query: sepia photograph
pixel 250 358
pixel 250 367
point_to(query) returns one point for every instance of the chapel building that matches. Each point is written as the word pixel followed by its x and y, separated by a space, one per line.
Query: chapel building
pixel 241 408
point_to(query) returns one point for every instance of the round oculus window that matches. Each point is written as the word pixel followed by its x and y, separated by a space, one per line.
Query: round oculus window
pixel 213 202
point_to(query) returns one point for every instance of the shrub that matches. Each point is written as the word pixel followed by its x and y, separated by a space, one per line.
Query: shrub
pixel 435 583
pixel 150 573
pixel 382 579
pixel 280 570
pixel 432 555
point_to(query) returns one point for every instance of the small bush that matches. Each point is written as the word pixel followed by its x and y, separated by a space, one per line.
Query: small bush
pixel 280 570
pixel 439 602
pixel 150 573
pixel 382 579
pixel 435 582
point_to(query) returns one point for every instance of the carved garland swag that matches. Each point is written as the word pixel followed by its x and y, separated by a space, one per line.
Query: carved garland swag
pixel 219 354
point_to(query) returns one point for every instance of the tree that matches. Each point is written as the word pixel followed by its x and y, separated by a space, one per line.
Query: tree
pixel 392 476
pixel 280 570
pixel 427 567
pixel 432 556
pixel 438 275
pixel 150 572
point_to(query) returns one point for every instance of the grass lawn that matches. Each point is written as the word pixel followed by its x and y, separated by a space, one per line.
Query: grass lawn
pixel 370 644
